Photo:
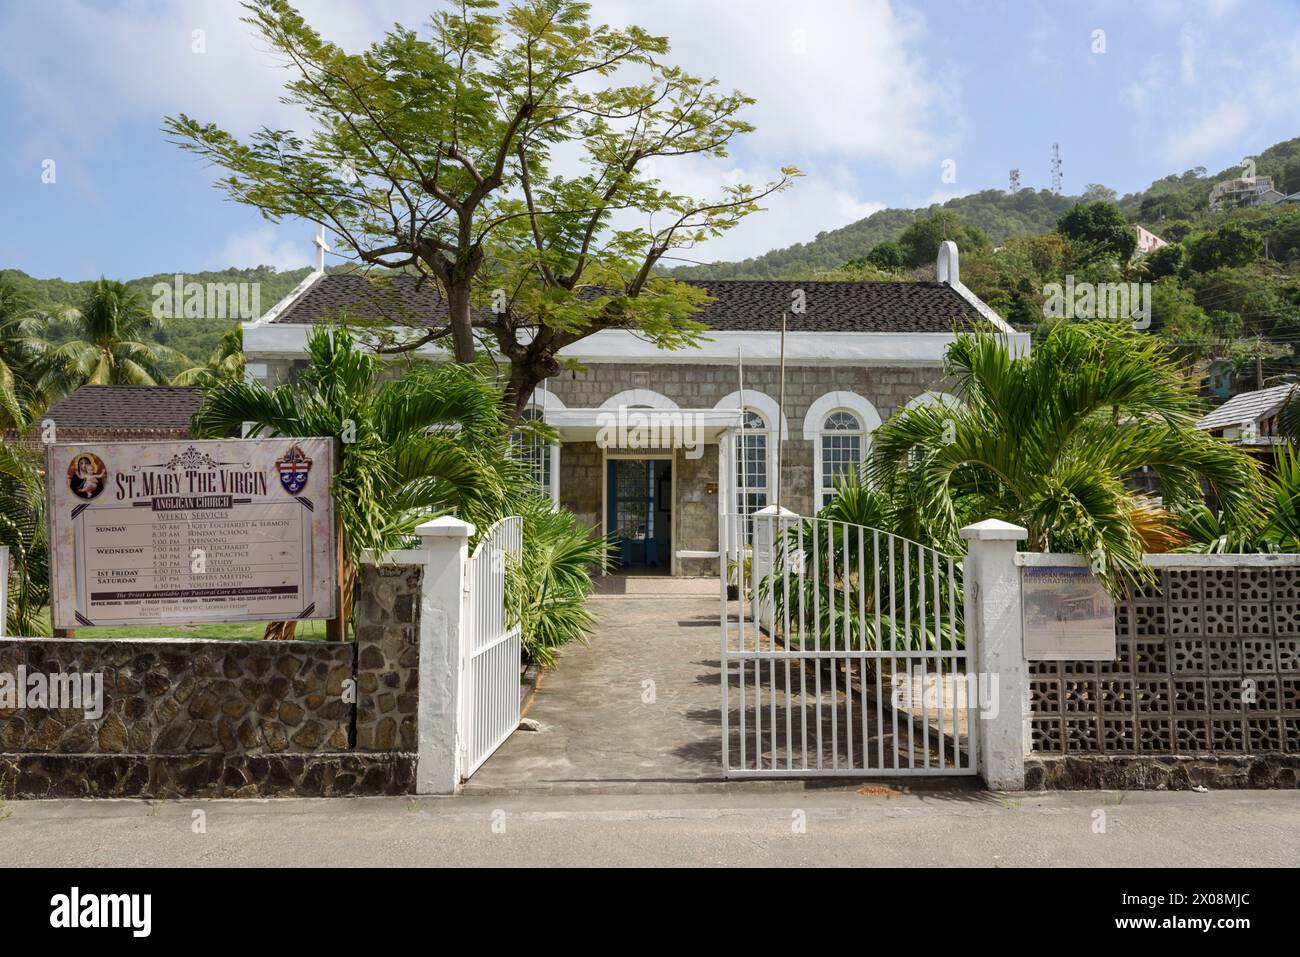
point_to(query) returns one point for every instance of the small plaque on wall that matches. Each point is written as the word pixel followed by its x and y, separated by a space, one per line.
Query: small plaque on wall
pixel 712 488
pixel 1068 614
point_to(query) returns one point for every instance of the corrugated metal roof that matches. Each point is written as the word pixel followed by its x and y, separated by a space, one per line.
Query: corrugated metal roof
pixel 1247 407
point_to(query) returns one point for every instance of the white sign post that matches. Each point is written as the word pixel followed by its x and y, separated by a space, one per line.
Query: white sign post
pixel 191 532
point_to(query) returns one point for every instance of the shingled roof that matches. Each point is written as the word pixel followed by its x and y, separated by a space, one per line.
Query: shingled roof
pixel 740 305
pixel 127 408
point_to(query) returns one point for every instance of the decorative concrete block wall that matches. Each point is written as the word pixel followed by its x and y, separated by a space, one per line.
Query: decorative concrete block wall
pixel 1208 664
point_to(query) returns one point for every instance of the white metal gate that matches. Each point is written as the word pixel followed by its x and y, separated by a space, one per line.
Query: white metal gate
pixel 842 654
pixel 491 684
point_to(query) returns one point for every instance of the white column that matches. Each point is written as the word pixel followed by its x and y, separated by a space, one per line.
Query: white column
pixel 439 759
pixel 994 628
pixel 767 531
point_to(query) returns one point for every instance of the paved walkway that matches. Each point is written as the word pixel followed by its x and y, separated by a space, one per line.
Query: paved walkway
pixel 639 708
pixel 636 708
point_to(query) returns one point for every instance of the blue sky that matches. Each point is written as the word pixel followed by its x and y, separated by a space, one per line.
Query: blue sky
pixel 868 97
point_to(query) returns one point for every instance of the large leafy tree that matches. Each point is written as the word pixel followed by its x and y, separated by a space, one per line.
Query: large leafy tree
pixel 1101 227
pixel 1047 440
pixel 433 439
pixel 433 154
pixel 110 344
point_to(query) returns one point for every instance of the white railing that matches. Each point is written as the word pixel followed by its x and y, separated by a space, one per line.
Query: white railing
pixel 843 654
pixel 492 646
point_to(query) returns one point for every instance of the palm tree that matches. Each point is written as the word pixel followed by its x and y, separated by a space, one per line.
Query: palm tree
pixel 1276 526
pixel 109 344
pixel 225 362
pixel 21 348
pixel 432 440
pixel 22 529
pixel 1046 441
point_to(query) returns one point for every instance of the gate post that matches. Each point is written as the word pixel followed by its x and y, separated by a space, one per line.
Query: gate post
pixel 439 762
pixel 993 622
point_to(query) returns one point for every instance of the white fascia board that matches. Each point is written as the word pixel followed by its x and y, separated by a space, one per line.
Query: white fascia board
pixel 617 345
pixel 614 345
pixel 283 304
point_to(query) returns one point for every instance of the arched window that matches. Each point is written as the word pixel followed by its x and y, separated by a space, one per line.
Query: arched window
pixel 534 451
pixel 841 451
pixel 751 464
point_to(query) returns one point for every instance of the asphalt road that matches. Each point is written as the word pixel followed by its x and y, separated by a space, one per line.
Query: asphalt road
pixel 767 827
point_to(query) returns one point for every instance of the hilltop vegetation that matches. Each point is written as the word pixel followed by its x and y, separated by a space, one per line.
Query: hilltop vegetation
pixel 1173 203
pixel 192 338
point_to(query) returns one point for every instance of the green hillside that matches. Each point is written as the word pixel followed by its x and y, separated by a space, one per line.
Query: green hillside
pixel 195 338
pixel 1001 216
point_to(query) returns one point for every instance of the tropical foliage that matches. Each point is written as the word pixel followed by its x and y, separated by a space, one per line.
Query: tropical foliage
pixel 1274 527
pixel 552 582
pixel 225 362
pixel 109 344
pixel 433 439
pixel 429 440
pixel 847 581
pixel 1047 441
pixel 21 352
pixel 22 529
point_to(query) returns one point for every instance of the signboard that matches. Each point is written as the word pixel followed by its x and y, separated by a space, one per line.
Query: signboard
pixel 1068 614
pixel 189 532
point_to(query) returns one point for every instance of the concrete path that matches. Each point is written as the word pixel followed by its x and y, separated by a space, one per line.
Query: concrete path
pixel 639 708
pixel 808 828
pixel 636 709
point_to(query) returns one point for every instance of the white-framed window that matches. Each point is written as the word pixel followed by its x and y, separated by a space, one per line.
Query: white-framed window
pixel 842 439
pixel 752 465
pixel 535 452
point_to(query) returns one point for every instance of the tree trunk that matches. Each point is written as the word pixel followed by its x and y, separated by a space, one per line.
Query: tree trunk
pixel 525 376
pixel 458 316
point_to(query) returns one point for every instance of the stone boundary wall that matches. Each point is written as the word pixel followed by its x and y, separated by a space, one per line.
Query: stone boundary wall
pixel 185 696
pixel 205 718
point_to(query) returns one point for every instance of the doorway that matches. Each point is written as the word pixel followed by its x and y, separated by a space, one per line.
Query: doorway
pixel 639 514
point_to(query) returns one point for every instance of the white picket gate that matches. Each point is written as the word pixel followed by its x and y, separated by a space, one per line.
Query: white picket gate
pixel 843 654
pixel 492 650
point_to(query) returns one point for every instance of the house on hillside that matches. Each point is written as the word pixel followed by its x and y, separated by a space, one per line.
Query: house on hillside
pixel 1244 191
pixel 116 413
pixel 655 445
pixel 1218 379
pixel 1250 419
pixel 1147 241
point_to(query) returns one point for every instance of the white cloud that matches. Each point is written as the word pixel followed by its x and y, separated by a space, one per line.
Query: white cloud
pixel 833 77
pixel 838 83
pixel 1189 43
pixel 264 246
pixel 1207 133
